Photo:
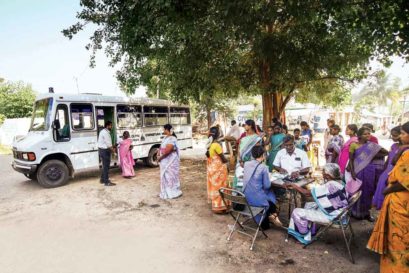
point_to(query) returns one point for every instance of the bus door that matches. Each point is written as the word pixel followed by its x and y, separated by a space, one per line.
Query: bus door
pixel 104 114
pixel 83 144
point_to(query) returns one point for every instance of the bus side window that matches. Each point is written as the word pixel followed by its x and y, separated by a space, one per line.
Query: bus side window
pixel 179 115
pixel 155 115
pixel 82 117
pixel 61 124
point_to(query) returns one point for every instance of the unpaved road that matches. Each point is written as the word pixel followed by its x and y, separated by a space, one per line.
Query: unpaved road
pixel 85 227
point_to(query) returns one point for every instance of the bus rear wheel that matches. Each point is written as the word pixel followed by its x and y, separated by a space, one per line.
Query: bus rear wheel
pixel 151 160
pixel 53 173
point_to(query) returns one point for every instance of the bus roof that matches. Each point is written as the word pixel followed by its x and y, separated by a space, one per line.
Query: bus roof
pixel 107 99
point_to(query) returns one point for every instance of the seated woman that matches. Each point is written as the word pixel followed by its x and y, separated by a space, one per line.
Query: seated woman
pixel 330 198
pixel 257 187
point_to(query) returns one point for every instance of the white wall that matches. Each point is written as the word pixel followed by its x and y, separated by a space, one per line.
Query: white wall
pixel 12 128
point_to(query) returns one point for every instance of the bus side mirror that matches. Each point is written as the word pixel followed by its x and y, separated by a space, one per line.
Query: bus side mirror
pixel 56 125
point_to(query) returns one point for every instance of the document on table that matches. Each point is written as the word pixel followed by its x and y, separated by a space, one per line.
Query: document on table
pixel 277 179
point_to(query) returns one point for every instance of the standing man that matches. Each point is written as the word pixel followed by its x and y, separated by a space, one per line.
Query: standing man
pixel 234 131
pixel 105 149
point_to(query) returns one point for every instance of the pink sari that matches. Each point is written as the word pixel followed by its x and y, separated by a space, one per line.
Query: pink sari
pixel 344 155
pixel 125 156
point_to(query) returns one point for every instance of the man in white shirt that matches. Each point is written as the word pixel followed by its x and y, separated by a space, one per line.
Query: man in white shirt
pixel 234 131
pixel 291 160
pixel 105 149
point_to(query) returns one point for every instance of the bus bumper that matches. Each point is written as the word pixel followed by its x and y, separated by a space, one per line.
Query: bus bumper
pixel 24 168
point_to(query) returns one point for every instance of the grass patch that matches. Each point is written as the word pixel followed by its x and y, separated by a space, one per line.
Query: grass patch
pixel 5 150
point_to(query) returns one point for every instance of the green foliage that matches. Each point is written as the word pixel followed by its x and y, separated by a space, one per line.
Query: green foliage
pixel 329 93
pixel 192 48
pixel 2 118
pixel 16 99
pixel 381 91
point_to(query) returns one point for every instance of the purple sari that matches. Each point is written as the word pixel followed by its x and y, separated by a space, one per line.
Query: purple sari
pixel 383 178
pixel 365 169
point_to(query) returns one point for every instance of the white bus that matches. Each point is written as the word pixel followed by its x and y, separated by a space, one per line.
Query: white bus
pixel 62 140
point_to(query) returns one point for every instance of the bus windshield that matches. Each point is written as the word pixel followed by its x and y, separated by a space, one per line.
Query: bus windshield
pixel 40 120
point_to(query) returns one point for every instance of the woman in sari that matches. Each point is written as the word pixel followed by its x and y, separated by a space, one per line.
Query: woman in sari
pixel 334 145
pixel 126 160
pixel 350 131
pixel 372 138
pixel 275 139
pixel 169 165
pixel 217 174
pixel 383 179
pixel 329 200
pixel 244 153
pixel 390 235
pixel 361 165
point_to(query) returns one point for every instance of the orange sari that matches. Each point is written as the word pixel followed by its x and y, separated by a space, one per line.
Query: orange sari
pixel 390 236
pixel 217 177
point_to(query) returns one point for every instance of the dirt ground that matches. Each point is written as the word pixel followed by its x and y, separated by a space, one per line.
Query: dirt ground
pixel 86 227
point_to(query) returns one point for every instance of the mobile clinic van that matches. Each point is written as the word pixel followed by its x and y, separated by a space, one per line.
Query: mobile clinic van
pixel 62 140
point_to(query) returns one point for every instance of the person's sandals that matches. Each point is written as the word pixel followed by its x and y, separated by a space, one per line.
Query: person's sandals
pixel 273 218
pixel 109 184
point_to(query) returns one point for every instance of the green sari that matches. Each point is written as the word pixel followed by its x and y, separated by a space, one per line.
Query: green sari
pixel 276 141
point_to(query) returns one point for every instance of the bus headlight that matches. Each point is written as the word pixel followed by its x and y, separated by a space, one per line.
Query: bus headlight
pixel 29 156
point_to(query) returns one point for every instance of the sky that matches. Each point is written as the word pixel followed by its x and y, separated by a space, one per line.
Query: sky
pixel 33 50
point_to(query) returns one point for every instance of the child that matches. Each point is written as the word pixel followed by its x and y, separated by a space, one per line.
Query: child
pixel 298 141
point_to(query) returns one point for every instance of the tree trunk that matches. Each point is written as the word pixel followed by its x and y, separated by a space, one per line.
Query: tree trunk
pixel 267 109
pixel 209 118
pixel 274 104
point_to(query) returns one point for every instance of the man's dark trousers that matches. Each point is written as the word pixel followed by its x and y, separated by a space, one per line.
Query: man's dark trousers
pixel 105 155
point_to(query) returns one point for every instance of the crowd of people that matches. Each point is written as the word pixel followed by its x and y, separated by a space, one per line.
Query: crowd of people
pixel 358 163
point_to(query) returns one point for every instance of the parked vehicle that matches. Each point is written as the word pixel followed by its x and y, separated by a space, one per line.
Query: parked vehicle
pixel 62 140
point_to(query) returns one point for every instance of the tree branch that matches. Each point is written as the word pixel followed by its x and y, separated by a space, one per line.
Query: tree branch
pixel 328 78
pixel 287 98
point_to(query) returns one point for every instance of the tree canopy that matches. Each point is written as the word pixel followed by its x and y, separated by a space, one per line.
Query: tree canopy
pixel 275 48
pixel 16 99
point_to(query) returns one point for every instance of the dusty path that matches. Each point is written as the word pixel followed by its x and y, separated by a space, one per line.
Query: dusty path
pixel 85 227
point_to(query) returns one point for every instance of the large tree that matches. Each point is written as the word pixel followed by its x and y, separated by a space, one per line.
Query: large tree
pixel 16 99
pixel 277 48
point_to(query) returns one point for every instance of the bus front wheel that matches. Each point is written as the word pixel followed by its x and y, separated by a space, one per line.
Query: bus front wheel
pixel 152 159
pixel 53 173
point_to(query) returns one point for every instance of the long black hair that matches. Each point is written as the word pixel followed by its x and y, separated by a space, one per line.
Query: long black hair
pixel 396 129
pixel 169 127
pixel 353 128
pixel 362 130
pixel 214 131
pixel 252 124
pixel 405 127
